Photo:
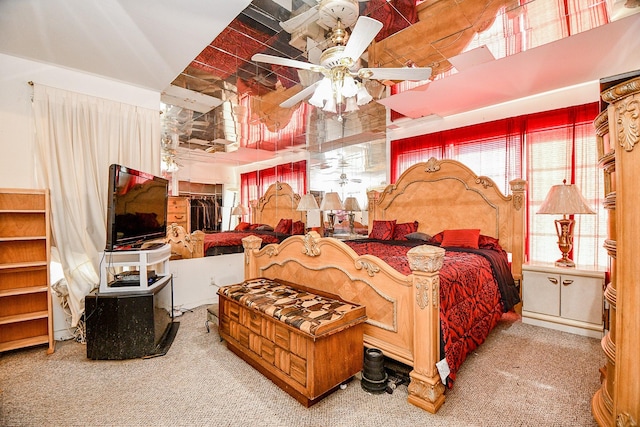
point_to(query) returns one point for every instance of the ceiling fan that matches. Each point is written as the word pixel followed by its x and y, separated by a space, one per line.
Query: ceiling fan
pixel 341 90
pixel 325 13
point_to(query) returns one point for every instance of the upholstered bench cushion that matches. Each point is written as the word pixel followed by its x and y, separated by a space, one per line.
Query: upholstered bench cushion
pixel 309 312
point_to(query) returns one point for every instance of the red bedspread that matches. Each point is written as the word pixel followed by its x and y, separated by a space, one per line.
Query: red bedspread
pixel 234 238
pixel 470 299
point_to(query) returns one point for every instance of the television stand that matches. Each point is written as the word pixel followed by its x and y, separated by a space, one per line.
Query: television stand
pixel 129 325
pixel 149 267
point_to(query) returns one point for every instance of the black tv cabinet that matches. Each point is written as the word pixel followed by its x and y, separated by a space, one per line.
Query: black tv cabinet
pixel 130 325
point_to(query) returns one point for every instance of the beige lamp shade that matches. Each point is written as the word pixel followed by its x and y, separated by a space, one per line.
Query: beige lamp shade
pixel 351 204
pixel 565 200
pixel 331 202
pixel 307 203
pixel 240 210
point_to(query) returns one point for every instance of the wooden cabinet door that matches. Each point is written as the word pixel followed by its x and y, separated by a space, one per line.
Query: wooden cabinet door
pixel 581 298
pixel 541 293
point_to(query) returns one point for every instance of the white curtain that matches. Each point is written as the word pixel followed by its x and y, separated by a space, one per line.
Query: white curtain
pixel 77 138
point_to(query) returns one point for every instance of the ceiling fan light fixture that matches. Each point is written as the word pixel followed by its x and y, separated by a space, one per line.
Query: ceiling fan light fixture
pixel 351 105
pixel 349 86
pixel 330 106
pixel 363 96
pixel 322 93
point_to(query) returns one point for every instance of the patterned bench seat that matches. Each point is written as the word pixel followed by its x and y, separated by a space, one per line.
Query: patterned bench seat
pixel 306 342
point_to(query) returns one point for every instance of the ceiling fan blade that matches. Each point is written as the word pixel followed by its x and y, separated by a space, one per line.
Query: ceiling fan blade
pixel 414 74
pixel 299 96
pixel 361 37
pixel 291 25
pixel 270 59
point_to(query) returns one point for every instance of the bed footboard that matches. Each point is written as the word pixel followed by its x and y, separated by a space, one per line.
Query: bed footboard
pixel 402 311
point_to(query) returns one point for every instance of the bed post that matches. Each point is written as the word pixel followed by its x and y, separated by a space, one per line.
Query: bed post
pixel 253 215
pixel 251 244
pixel 518 187
pixel 372 201
pixel 197 237
pixel 426 390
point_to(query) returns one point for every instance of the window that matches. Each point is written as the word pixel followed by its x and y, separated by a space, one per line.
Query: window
pixel 557 145
pixel 561 145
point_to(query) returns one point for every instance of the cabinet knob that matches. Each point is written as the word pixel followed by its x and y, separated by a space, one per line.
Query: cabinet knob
pixel 567 282
pixel 553 280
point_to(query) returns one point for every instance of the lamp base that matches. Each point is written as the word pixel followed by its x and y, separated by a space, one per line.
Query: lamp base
pixel 565 263
pixel 332 221
pixel 564 229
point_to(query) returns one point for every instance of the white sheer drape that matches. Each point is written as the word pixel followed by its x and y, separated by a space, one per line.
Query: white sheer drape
pixel 77 138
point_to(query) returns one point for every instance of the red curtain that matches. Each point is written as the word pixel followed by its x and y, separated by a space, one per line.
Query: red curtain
pixel 254 184
pixel 561 145
pixel 255 134
pixel 491 149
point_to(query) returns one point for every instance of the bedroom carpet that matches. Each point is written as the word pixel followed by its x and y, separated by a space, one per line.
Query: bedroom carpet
pixel 521 376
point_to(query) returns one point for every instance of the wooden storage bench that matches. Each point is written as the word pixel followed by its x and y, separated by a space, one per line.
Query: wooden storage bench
pixel 305 341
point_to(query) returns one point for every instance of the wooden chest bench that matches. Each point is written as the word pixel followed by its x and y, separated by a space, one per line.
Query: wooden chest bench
pixel 306 342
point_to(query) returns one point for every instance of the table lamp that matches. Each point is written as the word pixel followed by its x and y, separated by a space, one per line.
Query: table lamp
pixel 565 200
pixel 307 203
pixel 241 211
pixel 331 202
pixel 351 205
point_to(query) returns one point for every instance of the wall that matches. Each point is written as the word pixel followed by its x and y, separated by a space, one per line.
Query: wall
pixel 16 129
pixel 196 281
pixel 17 142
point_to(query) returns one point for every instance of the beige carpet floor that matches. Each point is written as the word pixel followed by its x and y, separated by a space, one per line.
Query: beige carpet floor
pixel 521 376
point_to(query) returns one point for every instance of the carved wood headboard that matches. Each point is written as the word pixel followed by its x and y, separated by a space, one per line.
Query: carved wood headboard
pixel 446 194
pixel 279 201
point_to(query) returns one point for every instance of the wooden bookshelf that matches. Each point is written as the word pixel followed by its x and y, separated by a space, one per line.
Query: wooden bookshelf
pixel 25 296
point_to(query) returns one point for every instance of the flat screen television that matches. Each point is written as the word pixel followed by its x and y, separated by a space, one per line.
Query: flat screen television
pixel 136 209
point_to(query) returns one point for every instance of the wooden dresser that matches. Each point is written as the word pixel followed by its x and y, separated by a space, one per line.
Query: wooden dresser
pixel 617 402
pixel 179 212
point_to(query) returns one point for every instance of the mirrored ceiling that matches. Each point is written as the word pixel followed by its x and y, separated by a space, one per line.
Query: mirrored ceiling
pixel 239 119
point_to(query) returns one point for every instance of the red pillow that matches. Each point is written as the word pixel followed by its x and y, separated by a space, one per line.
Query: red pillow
pixel 382 230
pixel 401 230
pixel 297 227
pixel 436 239
pixel 461 238
pixel 284 226
pixel 242 226
pixel 253 226
pixel 487 242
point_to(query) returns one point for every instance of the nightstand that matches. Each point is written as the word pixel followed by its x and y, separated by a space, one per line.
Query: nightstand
pixel 566 299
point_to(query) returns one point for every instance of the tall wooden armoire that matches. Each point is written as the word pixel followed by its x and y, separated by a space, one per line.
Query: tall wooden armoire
pixel 617 402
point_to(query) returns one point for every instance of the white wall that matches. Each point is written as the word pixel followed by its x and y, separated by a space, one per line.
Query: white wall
pixel 16 129
pixel 196 281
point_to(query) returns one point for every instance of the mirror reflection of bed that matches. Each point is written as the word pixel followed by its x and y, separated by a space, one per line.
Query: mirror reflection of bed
pixel 274 216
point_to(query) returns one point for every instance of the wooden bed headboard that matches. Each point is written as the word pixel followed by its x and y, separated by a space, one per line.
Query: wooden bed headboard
pixel 279 201
pixel 446 194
